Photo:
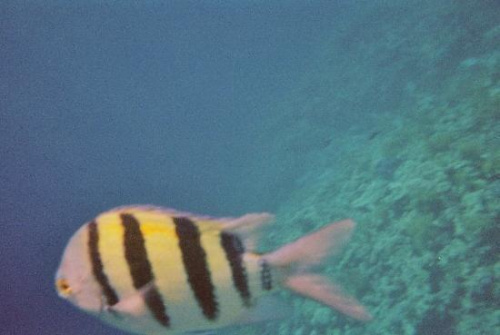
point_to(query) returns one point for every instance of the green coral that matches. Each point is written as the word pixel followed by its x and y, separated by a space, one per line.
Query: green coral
pixel 441 141
pixel 475 216
pixel 490 165
pixel 470 148
pixel 419 227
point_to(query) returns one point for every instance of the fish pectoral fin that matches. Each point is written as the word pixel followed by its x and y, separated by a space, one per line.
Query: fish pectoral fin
pixel 133 305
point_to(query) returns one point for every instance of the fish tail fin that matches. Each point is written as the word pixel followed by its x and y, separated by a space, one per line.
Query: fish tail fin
pixel 321 289
pixel 295 262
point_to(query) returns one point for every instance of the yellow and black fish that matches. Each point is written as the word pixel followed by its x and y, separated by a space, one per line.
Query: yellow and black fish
pixel 150 270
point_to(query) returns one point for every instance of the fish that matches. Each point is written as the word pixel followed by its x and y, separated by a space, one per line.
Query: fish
pixel 157 271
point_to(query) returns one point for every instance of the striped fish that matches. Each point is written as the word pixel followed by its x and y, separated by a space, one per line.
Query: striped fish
pixel 150 270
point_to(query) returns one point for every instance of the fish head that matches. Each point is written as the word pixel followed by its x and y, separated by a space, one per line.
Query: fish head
pixel 74 281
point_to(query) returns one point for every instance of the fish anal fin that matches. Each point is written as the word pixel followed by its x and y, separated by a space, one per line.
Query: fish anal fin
pixel 200 332
pixel 267 308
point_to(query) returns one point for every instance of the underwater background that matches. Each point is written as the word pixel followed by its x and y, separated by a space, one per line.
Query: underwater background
pixel 387 112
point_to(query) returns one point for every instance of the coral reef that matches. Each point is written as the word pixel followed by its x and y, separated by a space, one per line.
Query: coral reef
pixel 420 174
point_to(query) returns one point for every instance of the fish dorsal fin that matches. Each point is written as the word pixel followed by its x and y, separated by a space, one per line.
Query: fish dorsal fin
pixel 248 227
pixel 162 210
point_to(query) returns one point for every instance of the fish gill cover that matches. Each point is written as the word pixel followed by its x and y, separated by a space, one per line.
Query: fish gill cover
pixel 386 112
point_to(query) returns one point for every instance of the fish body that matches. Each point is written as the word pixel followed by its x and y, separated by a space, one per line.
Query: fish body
pixel 155 271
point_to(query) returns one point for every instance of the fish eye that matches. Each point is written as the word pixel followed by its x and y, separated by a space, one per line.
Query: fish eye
pixel 63 287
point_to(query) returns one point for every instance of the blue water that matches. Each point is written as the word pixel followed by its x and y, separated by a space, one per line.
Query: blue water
pixel 314 110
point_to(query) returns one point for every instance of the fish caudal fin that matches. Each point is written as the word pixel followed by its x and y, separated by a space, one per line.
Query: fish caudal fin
pixel 312 249
pixel 296 261
pixel 322 290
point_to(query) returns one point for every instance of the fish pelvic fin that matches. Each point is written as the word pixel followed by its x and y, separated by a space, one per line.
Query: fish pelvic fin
pixel 295 263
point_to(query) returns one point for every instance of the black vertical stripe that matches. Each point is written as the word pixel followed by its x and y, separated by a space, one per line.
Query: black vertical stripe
pixel 97 267
pixel 234 253
pixel 140 267
pixel 266 279
pixel 195 263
